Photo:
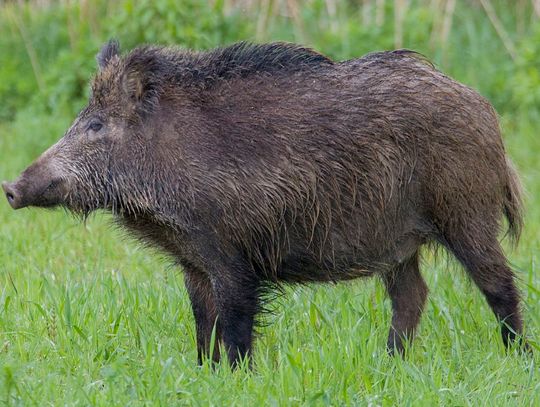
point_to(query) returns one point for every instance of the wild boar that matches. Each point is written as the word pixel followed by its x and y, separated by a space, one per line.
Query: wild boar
pixel 260 165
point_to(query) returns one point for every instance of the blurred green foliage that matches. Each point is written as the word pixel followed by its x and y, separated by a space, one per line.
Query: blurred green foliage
pixel 525 81
pixel 48 48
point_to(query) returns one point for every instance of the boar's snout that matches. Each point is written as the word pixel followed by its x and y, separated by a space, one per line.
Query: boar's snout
pixel 13 196
pixel 36 186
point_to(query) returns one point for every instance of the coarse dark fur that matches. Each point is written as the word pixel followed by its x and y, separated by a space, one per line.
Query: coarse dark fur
pixel 257 165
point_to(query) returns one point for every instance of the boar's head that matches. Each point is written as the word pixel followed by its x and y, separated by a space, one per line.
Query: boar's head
pixel 102 161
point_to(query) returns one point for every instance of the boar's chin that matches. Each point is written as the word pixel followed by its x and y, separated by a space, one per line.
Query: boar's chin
pixel 83 203
pixel 79 209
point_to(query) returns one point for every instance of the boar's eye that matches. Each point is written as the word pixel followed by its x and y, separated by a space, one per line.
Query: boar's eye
pixel 95 126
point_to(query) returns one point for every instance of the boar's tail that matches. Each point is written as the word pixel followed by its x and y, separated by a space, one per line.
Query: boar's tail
pixel 513 204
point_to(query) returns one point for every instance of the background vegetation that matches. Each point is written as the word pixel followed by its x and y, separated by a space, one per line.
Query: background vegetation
pixel 86 318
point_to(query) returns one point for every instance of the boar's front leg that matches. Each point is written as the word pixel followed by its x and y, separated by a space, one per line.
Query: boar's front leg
pixel 408 293
pixel 237 300
pixel 204 307
pixel 235 286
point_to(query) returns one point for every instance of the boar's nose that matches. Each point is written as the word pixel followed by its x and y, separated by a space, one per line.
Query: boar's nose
pixel 12 195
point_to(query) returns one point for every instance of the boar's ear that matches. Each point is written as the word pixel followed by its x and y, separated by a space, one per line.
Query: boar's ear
pixel 108 51
pixel 140 83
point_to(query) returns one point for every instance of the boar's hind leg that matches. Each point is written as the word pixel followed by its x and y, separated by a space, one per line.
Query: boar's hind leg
pixel 408 293
pixel 205 312
pixel 484 260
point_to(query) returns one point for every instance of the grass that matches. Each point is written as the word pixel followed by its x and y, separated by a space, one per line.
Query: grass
pixel 89 318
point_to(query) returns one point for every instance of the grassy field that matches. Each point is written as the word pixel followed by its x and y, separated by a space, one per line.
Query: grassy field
pixel 87 317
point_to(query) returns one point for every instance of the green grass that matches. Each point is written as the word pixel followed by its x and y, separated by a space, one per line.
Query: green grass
pixel 87 317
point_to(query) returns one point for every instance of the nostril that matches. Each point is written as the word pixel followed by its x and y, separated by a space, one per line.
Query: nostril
pixel 11 194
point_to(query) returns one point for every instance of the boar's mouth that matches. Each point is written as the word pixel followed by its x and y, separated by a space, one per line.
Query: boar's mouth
pixel 21 194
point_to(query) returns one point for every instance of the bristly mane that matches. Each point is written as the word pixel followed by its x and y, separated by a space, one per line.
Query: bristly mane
pixel 239 60
pixel 244 58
